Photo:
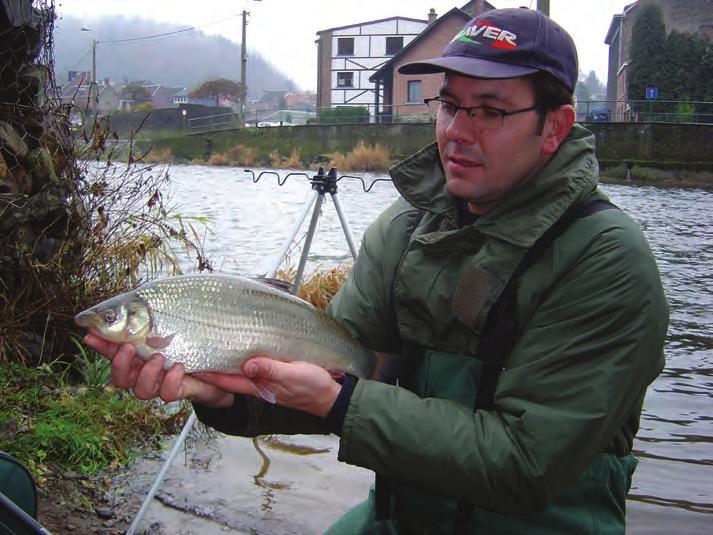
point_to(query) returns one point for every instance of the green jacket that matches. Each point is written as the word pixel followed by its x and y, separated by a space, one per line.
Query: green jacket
pixel 591 318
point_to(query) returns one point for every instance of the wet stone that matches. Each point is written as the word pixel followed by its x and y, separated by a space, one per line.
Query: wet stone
pixel 104 513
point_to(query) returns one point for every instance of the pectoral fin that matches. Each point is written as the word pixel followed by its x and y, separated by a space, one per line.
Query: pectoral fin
pixel 159 342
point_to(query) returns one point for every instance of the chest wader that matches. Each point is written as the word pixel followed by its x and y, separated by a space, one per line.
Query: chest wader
pixel 480 377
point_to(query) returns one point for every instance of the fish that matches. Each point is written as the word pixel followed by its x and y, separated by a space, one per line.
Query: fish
pixel 214 322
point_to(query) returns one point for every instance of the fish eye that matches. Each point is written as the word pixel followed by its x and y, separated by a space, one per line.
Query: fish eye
pixel 109 316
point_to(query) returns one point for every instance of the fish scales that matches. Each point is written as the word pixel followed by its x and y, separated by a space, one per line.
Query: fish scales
pixel 215 322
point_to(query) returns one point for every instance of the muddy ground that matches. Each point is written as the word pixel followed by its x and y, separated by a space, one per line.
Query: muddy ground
pixel 217 484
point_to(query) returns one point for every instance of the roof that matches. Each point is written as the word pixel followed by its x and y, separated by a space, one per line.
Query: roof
pixel 386 67
pixel 371 22
pixel 614 25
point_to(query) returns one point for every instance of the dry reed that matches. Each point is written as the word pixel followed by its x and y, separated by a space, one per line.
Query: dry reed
pixel 319 287
pixel 363 157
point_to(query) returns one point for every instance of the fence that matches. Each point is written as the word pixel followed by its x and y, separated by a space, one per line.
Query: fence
pixel 643 111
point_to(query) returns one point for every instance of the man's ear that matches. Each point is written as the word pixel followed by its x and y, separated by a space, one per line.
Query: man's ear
pixel 558 125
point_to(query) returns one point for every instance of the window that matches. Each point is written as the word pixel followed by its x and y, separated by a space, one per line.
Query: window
pixel 393 45
pixel 345 79
pixel 345 46
pixel 414 91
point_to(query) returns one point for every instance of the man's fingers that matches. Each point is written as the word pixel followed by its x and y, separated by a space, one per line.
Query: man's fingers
pixel 265 368
pixel 235 383
pixel 177 385
pixel 104 347
pixel 148 382
pixel 125 366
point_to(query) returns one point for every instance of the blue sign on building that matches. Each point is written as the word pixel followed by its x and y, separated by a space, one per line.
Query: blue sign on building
pixel 652 92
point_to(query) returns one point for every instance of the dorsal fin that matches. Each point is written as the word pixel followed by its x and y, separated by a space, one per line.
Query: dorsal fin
pixel 276 283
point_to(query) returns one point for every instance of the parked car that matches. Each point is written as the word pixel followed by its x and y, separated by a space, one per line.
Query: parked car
pixel 599 115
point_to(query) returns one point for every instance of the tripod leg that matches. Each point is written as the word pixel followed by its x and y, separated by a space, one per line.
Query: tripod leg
pixel 308 243
pixel 345 225
pixel 286 247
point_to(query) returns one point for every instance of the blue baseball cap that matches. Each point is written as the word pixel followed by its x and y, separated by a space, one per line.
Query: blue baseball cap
pixel 506 43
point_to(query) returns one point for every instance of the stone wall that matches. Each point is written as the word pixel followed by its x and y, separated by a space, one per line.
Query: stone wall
pixel 669 145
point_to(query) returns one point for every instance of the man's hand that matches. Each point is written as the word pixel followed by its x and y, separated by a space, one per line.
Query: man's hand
pixel 297 385
pixel 149 379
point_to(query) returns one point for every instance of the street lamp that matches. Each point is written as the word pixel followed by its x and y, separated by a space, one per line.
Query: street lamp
pixel 94 54
pixel 93 88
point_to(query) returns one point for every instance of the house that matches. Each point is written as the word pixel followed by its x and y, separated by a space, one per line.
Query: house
pixel 400 95
pixel 162 96
pixel 182 98
pixel 693 16
pixel 348 55
pixel 76 93
pixel 301 101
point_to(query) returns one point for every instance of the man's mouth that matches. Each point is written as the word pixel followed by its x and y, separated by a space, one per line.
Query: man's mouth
pixel 459 161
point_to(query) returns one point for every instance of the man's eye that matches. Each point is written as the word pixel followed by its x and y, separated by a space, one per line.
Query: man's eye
pixel 448 107
pixel 490 113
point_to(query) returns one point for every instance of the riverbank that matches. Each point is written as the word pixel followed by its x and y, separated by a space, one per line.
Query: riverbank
pixel 377 158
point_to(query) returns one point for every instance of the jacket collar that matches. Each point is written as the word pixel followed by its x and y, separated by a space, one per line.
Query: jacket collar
pixel 569 177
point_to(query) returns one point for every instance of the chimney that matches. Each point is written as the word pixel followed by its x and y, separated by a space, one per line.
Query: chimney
pixel 478 7
pixel 432 16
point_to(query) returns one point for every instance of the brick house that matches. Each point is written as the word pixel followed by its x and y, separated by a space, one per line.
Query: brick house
pixel 400 95
pixel 348 55
pixel 693 16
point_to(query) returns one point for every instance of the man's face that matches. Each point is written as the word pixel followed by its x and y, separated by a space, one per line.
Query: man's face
pixel 484 166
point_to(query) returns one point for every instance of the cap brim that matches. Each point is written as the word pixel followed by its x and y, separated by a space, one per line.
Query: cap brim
pixel 468 66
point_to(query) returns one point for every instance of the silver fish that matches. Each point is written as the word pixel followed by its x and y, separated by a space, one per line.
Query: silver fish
pixel 215 322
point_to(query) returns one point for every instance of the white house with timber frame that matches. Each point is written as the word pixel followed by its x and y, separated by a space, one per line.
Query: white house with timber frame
pixel 348 55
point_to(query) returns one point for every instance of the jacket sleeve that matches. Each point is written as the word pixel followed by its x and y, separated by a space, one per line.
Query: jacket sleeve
pixel 250 417
pixel 579 369
pixel 363 303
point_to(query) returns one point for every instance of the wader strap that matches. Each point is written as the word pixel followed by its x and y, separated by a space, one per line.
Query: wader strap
pixel 498 335
pixel 383 489
pixel 464 514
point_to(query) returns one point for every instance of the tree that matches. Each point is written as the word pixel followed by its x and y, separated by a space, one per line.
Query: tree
pixel 647 65
pixel 136 92
pixel 589 87
pixel 215 89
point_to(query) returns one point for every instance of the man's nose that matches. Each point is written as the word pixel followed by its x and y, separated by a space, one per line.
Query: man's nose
pixel 462 128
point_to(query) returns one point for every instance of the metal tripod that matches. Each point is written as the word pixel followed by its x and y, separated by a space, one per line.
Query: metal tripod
pixel 321 185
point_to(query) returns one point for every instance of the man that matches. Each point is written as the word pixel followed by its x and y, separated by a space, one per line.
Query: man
pixel 528 312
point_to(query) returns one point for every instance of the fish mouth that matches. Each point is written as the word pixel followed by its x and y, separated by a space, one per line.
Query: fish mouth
pixel 83 319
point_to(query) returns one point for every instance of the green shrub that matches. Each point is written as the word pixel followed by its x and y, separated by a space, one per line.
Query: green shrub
pixel 344 115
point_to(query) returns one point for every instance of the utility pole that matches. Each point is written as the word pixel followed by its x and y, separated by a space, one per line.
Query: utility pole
pixel 544 6
pixel 243 68
pixel 94 61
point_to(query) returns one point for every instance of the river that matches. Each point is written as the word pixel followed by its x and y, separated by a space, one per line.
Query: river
pixel 673 486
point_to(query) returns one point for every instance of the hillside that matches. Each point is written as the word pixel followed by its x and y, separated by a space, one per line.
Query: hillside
pixel 185 59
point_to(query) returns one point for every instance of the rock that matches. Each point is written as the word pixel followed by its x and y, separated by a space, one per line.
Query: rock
pixel 21 179
pixel 104 513
pixel 39 163
pixel 11 141
pixel 8 186
pixel 3 167
pixel 32 80
pixel 45 249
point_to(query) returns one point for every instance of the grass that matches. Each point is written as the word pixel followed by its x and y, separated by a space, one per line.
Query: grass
pixel 52 425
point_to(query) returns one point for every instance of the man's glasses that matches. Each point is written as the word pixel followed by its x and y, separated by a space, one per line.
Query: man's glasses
pixel 485 117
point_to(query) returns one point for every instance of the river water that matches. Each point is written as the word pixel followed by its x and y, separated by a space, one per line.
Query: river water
pixel 673 486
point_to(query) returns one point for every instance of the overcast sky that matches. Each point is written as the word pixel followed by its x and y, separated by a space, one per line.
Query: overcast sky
pixel 284 31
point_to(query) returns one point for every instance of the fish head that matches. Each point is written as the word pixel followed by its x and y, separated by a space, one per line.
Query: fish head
pixel 121 319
